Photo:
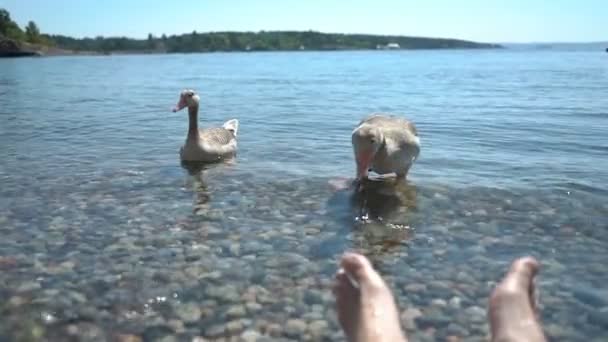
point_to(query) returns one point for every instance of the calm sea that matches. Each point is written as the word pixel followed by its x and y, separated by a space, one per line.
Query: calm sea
pixel 105 233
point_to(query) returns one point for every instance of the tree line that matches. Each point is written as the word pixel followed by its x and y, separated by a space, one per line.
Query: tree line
pixel 30 34
pixel 257 41
pixel 227 41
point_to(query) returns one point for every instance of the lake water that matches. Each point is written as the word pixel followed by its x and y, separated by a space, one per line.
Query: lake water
pixel 107 236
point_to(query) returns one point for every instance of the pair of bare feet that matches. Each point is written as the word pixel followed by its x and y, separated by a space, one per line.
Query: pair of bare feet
pixel 367 310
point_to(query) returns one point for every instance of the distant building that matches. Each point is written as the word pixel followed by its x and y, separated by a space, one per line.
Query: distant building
pixel 389 46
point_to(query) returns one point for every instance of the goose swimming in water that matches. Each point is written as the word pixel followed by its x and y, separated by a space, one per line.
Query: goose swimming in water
pixel 205 144
pixel 385 144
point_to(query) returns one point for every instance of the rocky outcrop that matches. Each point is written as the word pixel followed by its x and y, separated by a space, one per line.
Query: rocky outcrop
pixel 12 48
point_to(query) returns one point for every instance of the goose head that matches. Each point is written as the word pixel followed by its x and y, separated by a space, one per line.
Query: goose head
pixel 367 140
pixel 187 98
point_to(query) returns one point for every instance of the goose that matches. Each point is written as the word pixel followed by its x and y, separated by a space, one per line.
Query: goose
pixel 385 144
pixel 206 144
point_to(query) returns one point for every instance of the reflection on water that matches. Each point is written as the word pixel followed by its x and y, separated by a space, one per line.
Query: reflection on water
pixel 197 172
pixel 382 214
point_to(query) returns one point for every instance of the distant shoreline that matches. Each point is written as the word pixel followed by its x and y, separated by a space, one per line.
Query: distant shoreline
pixel 46 52
pixel 264 41
pixel 137 53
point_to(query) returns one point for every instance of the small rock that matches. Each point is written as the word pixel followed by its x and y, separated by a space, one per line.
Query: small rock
pixel 236 311
pixel 317 328
pixel 226 293
pixel 415 287
pixel 590 296
pixel 215 331
pixel 313 297
pixel 480 212
pixel 235 249
pixel 408 317
pixel 7 262
pixel 599 317
pixel 189 312
pixel 455 302
pixel 274 330
pixel 439 302
pixel 556 331
pixel 433 318
pixel 128 338
pixel 234 327
pixel 77 297
pixel 28 286
pixel 476 314
pixel 250 336
pixel 456 330
pixel 439 252
pixel 167 338
pixel 295 327
pixel 17 301
pixel 156 332
pixel 253 306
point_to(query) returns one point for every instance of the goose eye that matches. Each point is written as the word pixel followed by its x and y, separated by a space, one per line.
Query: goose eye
pixel 373 141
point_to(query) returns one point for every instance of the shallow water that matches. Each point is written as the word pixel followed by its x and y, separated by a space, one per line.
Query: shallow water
pixel 107 236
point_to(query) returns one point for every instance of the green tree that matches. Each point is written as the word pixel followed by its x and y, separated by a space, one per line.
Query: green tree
pixel 32 33
pixel 8 27
pixel 151 44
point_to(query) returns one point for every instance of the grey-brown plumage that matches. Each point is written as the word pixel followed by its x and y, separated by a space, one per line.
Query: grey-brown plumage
pixel 216 135
pixel 385 144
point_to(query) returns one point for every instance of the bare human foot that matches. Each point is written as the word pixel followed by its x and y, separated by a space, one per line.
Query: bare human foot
pixel 365 305
pixel 512 307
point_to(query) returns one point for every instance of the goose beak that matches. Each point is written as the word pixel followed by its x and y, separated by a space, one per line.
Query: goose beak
pixel 180 105
pixel 364 160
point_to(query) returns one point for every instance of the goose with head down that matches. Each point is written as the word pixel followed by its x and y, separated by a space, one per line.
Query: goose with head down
pixel 206 144
pixel 385 144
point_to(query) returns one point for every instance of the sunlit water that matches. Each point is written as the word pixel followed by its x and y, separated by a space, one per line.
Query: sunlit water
pixel 106 236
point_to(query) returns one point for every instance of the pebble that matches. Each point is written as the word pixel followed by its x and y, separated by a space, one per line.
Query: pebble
pixel 456 330
pixel 439 303
pixel 455 302
pixel 295 327
pixel 318 328
pixel 599 317
pixel 28 286
pixel 215 331
pixel 433 318
pixel 128 338
pixel 415 287
pixel 594 297
pixel 253 307
pixel 409 316
pixel 7 262
pixel 274 330
pixel 225 293
pixel 235 326
pixel 236 311
pixel 250 336
pixel 189 312
pixel 476 314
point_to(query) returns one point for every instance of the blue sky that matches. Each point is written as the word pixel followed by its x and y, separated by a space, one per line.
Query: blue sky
pixel 479 20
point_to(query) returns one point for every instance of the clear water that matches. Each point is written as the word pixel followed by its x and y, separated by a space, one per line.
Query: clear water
pixel 106 233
